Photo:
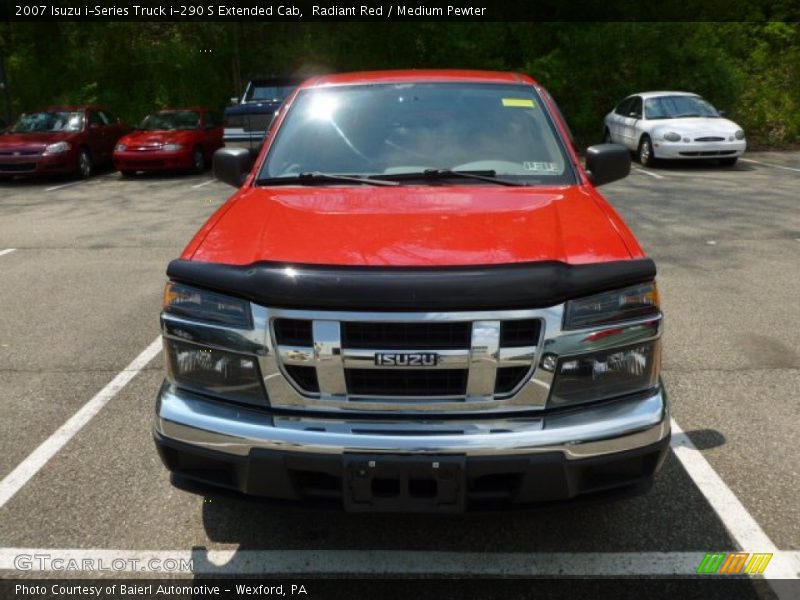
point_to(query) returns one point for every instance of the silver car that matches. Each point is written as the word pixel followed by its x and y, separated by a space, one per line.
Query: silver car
pixel 674 125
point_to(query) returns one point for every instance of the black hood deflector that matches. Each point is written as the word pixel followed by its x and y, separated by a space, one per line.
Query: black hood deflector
pixel 425 289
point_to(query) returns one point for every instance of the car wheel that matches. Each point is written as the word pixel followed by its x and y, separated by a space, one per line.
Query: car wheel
pixel 607 137
pixel 198 161
pixel 645 153
pixel 728 162
pixel 84 164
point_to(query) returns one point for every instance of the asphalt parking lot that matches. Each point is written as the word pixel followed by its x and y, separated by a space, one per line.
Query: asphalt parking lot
pixel 81 275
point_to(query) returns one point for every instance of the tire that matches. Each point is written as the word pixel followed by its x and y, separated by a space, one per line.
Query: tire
pixel 198 161
pixel 84 167
pixel 645 152
pixel 607 137
pixel 728 162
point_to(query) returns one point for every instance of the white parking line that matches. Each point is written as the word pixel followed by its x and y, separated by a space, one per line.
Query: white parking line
pixel 737 520
pixel 65 185
pixel 368 562
pixel 644 171
pixel 12 482
pixel 199 185
pixel 7 251
pixel 774 166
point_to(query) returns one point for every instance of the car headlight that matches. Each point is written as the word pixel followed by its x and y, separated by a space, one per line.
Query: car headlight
pixel 606 374
pixel 672 137
pixel 636 301
pixel 203 305
pixel 211 370
pixel 172 147
pixel 57 148
pixel 120 148
pixel 220 373
pixel 739 135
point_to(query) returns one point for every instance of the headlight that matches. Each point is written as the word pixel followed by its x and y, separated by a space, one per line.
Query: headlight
pixel 739 134
pixel 672 137
pixel 172 147
pixel 57 148
pixel 208 306
pixel 120 148
pixel 606 374
pixel 220 373
pixel 619 305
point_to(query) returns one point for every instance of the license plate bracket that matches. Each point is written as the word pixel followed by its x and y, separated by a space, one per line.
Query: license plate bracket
pixel 391 483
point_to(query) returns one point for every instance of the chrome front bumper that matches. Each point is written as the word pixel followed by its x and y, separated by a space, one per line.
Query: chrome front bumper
pixel 587 432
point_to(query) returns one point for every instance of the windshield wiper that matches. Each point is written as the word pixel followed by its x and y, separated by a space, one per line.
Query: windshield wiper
pixel 686 115
pixel 487 175
pixel 313 177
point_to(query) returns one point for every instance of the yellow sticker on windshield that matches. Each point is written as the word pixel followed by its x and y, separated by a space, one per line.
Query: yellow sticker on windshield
pixel 519 102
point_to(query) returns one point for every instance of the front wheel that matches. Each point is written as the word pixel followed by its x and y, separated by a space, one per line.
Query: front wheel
pixel 198 161
pixel 646 157
pixel 84 164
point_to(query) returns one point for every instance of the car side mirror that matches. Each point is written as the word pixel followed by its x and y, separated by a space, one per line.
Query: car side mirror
pixel 235 100
pixel 232 165
pixel 607 162
pixel 722 113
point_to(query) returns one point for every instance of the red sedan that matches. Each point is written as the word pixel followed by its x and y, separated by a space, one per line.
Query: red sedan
pixel 58 140
pixel 171 139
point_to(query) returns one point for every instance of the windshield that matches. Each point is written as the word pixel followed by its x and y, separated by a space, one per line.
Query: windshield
pixel 49 121
pixel 261 93
pixel 392 129
pixel 171 119
pixel 676 107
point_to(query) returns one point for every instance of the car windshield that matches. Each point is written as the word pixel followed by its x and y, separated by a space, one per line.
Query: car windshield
pixel 47 121
pixel 677 107
pixel 261 93
pixel 394 129
pixel 171 119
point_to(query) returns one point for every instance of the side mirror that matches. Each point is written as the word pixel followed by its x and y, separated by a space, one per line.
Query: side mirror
pixel 722 113
pixel 607 162
pixel 232 165
pixel 235 100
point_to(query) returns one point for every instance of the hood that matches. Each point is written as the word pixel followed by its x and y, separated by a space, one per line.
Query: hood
pixel 157 138
pixel 250 108
pixel 34 140
pixel 699 126
pixel 411 226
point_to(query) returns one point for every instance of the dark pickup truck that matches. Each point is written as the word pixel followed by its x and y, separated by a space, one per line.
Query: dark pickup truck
pixel 249 117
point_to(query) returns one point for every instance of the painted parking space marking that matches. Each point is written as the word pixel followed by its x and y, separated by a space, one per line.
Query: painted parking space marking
pixel 199 185
pixel 774 166
pixel 364 562
pixel 23 473
pixel 646 172
pixel 744 529
pixel 64 185
pixel 7 251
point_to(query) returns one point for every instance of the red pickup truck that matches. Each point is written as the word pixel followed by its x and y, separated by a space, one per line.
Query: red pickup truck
pixel 415 301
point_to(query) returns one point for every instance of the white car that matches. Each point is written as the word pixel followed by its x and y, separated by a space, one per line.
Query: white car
pixel 674 125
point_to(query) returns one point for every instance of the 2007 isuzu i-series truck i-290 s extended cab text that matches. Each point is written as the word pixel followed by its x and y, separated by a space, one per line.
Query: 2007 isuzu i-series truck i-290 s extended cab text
pixel 415 301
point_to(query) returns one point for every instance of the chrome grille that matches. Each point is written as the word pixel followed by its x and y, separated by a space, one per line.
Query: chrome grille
pixel 709 138
pixel 477 360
